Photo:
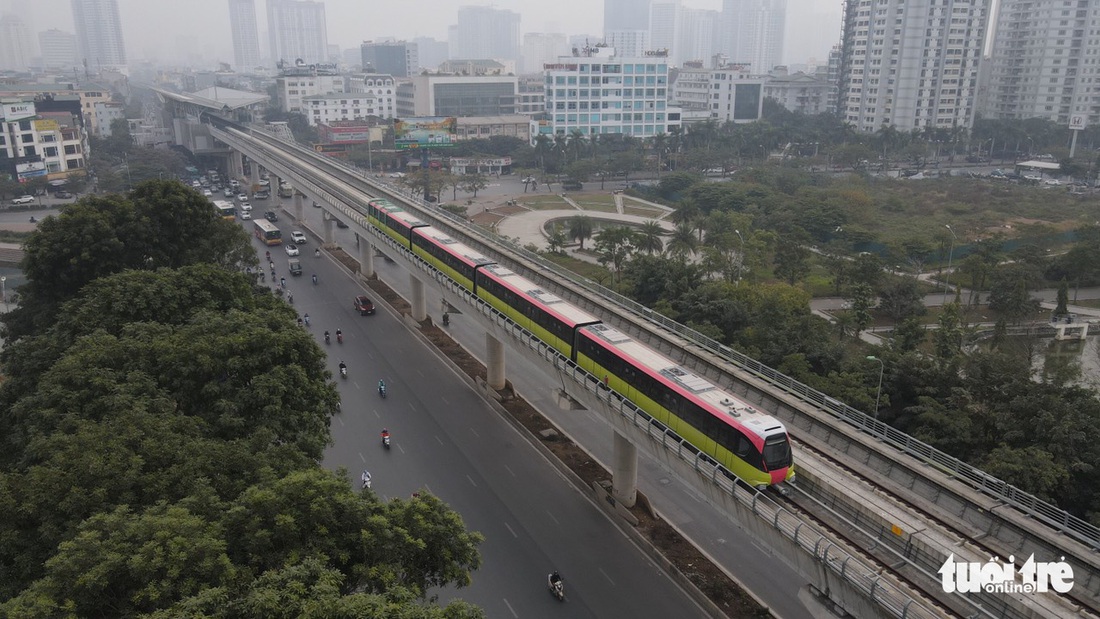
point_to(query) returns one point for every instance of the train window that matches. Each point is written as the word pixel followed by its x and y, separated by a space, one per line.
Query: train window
pixel 777 452
pixel 744 446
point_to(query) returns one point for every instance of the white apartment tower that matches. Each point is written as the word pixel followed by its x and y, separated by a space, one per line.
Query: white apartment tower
pixel 485 32
pixel 596 91
pixel 752 32
pixel 540 48
pixel 911 64
pixel 631 43
pixel 297 31
pixel 625 15
pixel 99 35
pixel 58 49
pixel 1045 61
pixel 246 37
pixel 15 44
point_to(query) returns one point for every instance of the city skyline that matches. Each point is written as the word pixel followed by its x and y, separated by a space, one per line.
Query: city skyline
pixel 205 27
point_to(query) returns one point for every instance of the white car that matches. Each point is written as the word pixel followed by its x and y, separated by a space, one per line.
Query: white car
pixel 298 237
pixel 246 215
pixel 242 197
pixel 292 250
pixel 23 200
pixel 245 207
pixel 207 193
pixel 1052 181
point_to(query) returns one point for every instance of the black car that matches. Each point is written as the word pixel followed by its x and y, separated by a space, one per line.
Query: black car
pixel 63 195
pixel 271 216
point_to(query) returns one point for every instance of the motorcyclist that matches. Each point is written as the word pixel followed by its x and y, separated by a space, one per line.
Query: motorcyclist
pixel 299 322
pixel 339 336
pixel 555 578
pixel 381 386
pixel 314 279
pixel 307 319
pixel 343 369
pixel 317 253
pixel 385 433
pixel 282 282
pixel 365 477
pixel 326 337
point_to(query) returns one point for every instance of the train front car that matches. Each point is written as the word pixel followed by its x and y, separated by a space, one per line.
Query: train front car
pixel 751 445
pixel 549 317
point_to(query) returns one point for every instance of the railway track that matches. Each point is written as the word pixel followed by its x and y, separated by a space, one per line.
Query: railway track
pixel 925 537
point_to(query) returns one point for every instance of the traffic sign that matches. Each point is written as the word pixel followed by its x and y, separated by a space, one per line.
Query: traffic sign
pixel 1078 122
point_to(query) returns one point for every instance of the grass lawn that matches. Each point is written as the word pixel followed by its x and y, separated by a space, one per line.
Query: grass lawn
pixel 601 207
pixel 593 272
pixel 641 211
pixel 544 202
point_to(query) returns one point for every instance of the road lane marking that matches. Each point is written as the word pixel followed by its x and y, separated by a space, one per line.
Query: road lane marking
pixel 510 530
pixel 475 432
pixel 440 440
pixel 401 448
pixel 509 470
pixel 553 518
pixel 510 609
pixel 472 482
pixel 606 576
pixel 362 458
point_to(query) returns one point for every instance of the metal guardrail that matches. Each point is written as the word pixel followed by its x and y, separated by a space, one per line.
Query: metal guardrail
pixel 1030 505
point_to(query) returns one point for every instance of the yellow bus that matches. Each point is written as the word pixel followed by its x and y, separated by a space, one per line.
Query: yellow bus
pixel 267 232
pixel 225 209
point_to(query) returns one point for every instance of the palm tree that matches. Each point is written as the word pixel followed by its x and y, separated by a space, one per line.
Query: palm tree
pixel 576 143
pixel 580 228
pixel 556 239
pixel 659 143
pixel 648 238
pixel 683 242
pixel 542 148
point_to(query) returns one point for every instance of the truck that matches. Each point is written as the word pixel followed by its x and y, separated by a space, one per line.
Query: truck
pixel 295 266
pixel 286 190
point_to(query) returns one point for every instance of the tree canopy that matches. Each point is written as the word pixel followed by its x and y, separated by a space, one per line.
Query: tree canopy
pixel 162 433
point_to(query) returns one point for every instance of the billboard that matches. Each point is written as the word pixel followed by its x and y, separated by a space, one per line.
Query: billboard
pixel 18 111
pixel 30 170
pixel 424 132
pixel 46 125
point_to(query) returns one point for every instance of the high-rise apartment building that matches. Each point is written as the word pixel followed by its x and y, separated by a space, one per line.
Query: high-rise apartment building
pixel 297 31
pixel 752 32
pixel 99 35
pixel 540 48
pixel 596 91
pixel 688 34
pixel 911 64
pixel 1044 61
pixel 430 51
pixel 246 36
pixel 15 43
pixel 485 32
pixel 625 15
pixel 397 58
pixel 58 49
pixel 630 43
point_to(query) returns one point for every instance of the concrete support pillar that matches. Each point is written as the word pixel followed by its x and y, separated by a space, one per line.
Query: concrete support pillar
pixel 327 221
pixel 236 165
pixel 624 471
pixel 366 257
pixel 298 214
pixel 494 367
pixel 254 177
pixel 419 307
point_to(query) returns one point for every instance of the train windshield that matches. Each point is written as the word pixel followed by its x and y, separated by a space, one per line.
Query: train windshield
pixel 777 452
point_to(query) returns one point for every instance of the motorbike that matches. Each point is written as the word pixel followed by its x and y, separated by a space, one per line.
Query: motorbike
pixel 557 588
pixel 366 482
pixel 343 371
pixel 327 338
pixel 386 441
pixel 382 391
pixel 446 320
pixel 339 338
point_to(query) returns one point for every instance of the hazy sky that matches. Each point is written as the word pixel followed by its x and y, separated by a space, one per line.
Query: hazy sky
pixel 168 27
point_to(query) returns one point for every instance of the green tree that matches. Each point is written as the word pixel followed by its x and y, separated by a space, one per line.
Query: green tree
pixel 862 302
pixel 556 239
pixel 792 261
pixel 1063 298
pixel 902 299
pixel 948 337
pixel 474 183
pixel 580 228
pixel 649 237
pixel 1010 291
pixel 614 246
pixel 683 243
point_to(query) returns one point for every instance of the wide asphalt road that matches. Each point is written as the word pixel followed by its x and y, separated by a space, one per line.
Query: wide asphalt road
pixel 448 441
pixel 755 566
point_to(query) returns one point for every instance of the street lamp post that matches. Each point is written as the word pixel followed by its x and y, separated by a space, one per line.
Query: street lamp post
pixel 881 371
pixel 740 261
pixel 4 291
pixel 950 255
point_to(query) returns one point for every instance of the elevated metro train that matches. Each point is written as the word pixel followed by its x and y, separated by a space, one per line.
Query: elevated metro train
pixel 753 446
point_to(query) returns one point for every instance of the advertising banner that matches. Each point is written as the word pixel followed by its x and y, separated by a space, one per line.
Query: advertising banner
pixel 18 111
pixel 30 170
pixel 425 132
pixel 46 125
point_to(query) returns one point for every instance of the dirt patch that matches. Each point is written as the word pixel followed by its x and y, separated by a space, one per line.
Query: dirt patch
pixel 712 581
